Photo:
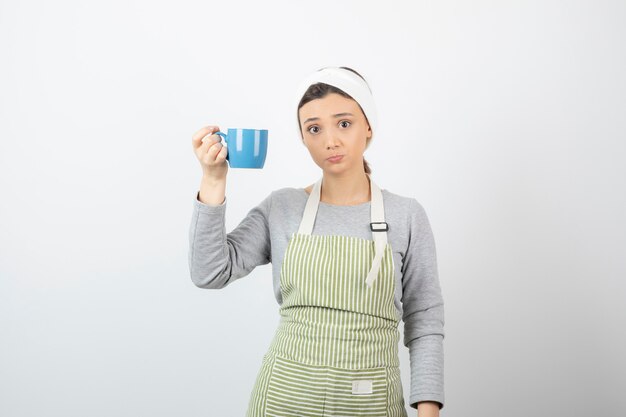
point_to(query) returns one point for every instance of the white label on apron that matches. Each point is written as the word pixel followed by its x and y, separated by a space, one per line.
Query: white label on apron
pixel 362 386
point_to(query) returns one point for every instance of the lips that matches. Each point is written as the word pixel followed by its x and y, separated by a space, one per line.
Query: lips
pixel 335 158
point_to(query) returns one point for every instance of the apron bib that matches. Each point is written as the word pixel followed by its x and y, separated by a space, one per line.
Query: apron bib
pixel 335 351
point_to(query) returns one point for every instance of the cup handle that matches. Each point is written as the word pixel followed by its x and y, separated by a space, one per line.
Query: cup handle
pixel 225 136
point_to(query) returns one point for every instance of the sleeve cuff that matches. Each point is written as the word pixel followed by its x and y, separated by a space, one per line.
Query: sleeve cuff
pixel 414 399
pixel 427 380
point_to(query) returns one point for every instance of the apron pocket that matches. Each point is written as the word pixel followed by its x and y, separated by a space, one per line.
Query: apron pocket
pixel 298 389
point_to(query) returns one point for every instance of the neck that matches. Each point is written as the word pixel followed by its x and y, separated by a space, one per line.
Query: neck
pixel 346 190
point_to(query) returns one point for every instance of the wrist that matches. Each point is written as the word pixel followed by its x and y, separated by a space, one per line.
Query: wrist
pixel 213 180
pixel 428 409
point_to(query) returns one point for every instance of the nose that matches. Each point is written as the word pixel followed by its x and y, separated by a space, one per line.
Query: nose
pixel 331 140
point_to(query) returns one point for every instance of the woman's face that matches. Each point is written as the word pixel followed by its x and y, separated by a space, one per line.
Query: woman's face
pixel 335 125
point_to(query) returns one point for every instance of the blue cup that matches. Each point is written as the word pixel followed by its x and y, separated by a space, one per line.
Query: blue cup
pixel 247 148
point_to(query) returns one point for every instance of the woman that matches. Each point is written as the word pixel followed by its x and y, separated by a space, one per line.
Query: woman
pixel 349 262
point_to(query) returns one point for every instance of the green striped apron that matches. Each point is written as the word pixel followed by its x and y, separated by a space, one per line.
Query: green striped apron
pixel 335 352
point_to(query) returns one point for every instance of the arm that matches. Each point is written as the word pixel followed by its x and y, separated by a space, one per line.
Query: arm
pixel 217 258
pixel 423 314
pixel 428 408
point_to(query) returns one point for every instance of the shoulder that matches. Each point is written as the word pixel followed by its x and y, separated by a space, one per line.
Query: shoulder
pixel 288 198
pixel 399 202
pixel 287 193
pixel 403 207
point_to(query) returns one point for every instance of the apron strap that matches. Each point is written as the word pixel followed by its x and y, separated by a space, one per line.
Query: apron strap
pixel 379 229
pixel 310 210
pixel 378 226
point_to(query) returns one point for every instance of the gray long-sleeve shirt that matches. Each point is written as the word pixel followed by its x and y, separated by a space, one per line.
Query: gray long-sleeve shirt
pixel 217 258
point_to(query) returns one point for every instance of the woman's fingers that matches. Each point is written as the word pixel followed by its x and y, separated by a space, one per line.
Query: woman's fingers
pixel 214 149
pixel 210 151
pixel 196 138
pixel 203 144
pixel 221 155
pixel 207 143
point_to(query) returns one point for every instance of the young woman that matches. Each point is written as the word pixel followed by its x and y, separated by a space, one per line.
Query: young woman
pixel 349 262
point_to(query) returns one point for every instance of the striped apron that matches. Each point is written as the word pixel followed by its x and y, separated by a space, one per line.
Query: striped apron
pixel 335 351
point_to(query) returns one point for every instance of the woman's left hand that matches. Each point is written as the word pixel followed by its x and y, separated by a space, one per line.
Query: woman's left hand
pixel 428 409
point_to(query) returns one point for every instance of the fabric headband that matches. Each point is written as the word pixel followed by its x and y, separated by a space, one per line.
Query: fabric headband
pixel 349 83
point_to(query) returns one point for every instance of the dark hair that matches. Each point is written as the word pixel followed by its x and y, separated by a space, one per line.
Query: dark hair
pixel 321 90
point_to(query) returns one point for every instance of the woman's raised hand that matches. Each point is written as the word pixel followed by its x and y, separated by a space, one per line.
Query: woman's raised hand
pixel 210 152
pixel 212 156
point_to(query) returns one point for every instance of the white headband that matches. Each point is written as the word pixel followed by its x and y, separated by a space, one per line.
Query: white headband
pixel 348 82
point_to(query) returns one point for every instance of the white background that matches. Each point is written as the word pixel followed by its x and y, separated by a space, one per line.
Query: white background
pixel 505 119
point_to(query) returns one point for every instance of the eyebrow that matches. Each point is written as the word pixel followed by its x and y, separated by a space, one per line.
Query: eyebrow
pixel 335 115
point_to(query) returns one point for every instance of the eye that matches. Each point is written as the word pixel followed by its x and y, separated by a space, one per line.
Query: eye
pixel 346 121
pixel 311 127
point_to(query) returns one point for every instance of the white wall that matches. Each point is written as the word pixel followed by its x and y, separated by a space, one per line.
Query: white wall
pixel 506 120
